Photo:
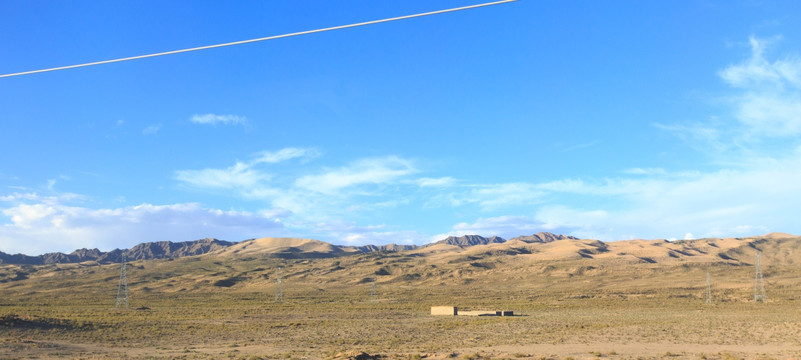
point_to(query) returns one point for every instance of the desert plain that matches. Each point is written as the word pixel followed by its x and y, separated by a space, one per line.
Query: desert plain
pixel 572 299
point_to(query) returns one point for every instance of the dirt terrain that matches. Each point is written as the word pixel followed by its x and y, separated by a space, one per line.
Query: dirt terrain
pixel 573 298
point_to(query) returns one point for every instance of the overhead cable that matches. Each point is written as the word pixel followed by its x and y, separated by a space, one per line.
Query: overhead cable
pixel 259 39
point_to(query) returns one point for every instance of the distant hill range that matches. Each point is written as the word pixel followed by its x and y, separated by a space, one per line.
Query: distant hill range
pixel 276 247
pixel 470 240
pixel 541 246
pixel 143 251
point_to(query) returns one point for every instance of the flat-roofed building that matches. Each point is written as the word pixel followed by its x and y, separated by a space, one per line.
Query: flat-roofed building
pixel 444 310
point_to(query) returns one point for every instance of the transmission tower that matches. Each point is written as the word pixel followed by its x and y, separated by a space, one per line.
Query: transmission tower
pixel 122 289
pixel 372 291
pixel 708 289
pixel 759 283
pixel 279 288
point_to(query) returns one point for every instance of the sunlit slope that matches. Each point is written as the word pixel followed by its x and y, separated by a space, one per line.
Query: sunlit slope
pixel 285 247
pixel 567 266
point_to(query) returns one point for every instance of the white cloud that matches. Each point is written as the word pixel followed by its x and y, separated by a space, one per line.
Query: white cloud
pixel 489 197
pixel 754 185
pixel 758 71
pixel 702 136
pixel 363 185
pixel 39 225
pixel 348 233
pixel 770 104
pixel 645 171
pixel 284 154
pixel 436 182
pixel 238 176
pixel 32 196
pixel 152 129
pixel 509 194
pixel 765 105
pixel 506 227
pixel 721 203
pixel 753 190
pixel 214 119
pixel 247 177
pixel 770 114
pixel 372 171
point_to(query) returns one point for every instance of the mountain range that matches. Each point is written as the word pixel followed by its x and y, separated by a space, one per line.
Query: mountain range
pixel 277 247
pixel 543 245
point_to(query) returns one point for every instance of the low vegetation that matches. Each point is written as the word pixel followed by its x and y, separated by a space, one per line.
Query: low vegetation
pixel 211 307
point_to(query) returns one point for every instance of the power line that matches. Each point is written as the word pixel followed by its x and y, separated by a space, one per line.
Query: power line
pixel 122 288
pixel 759 282
pixel 279 288
pixel 260 39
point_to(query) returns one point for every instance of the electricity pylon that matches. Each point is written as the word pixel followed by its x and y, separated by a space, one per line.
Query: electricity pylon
pixel 708 289
pixel 279 289
pixel 759 283
pixel 122 288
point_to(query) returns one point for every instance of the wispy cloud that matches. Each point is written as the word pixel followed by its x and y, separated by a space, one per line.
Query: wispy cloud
pixel 504 226
pixel 745 188
pixel 764 107
pixel 238 176
pixel 152 129
pixel 720 203
pixel 248 177
pixel 436 182
pixel 348 233
pixel 753 188
pixel 758 72
pixel 285 154
pixel 43 224
pixel 704 137
pixel 771 114
pixel 645 171
pixel 488 197
pixel 214 119
pixel 306 190
pixel 372 171
pixel 770 102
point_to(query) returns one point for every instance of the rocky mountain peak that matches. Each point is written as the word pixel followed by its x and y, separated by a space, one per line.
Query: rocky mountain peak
pixel 543 237
pixel 470 240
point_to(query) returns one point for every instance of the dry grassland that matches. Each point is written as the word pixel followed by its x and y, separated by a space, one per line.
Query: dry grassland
pixel 207 308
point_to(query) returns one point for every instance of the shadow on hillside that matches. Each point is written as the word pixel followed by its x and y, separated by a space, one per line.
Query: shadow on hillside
pixel 14 321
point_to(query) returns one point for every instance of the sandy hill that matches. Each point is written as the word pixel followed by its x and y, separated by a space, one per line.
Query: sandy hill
pixel 286 248
pixel 777 248
pixel 540 261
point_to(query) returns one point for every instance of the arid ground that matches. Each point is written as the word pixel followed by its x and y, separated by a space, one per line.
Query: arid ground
pixel 588 306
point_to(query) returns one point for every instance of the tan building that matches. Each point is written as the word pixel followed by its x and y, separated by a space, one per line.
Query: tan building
pixel 444 310
pixel 453 311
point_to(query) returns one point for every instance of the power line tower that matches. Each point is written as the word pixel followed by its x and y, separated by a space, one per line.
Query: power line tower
pixel 122 288
pixel 708 289
pixel 279 288
pixel 759 283
pixel 372 291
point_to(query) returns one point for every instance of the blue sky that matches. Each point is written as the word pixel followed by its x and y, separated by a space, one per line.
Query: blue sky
pixel 598 119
